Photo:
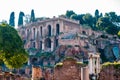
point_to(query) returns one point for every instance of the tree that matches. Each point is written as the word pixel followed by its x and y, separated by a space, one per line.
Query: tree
pixel 11 20
pixel 20 19
pixel 96 14
pixel 112 16
pixel 74 16
pixel 27 18
pixel 101 15
pixel 69 13
pixel 88 19
pixel 112 29
pixel 103 23
pixel 80 18
pixel 12 52
pixel 32 19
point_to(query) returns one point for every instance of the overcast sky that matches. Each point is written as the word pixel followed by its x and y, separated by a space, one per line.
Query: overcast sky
pixel 50 8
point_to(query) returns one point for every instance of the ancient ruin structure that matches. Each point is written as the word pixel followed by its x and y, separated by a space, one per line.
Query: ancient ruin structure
pixel 94 64
pixel 44 35
pixel 69 69
pixel 85 73
pixel 36 73
pixel 54 38
pixel 110 71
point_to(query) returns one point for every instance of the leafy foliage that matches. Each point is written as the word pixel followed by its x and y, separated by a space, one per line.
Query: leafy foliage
pixel 12 52
pixel 118 34
pixel 69 13
pixel 102 23
pixel 98 21
pixel 88 19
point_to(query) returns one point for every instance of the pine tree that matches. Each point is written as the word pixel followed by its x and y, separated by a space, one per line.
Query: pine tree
pixel 11 20
pixel 20 20
pixel 32 19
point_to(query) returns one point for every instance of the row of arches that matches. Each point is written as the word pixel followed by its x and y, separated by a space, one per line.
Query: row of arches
pixel 47 44
pixel 40 32
pixel 50 30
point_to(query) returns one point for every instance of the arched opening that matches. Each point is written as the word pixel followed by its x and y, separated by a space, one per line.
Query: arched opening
pixel 55 42
pixel 41 31
pixel 57 29
pixel 34 45
pixel 40 45
pixel 34 60
pixel 49 30
pixel 83 32
pixel 33 33
pixel 27 33
pixel 47 43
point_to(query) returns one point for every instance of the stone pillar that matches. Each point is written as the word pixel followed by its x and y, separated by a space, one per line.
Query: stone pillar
pixel 28 61
pixel 84 73
pixel 27 71
pixel 90 65
pixel 52 45
pixel 43 45
pixel 94 63
pixel 36 73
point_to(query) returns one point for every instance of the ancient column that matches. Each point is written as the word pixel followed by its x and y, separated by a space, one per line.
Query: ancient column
pixel 90 64
pixel 84 73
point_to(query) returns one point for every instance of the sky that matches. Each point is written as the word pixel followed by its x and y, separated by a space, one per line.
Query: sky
pixel 50 8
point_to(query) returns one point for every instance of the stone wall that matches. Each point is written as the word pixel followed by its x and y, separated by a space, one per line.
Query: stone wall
pixel 110 73
pixel 36 73
pixel 68 70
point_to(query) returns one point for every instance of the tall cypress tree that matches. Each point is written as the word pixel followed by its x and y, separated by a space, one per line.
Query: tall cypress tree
pixel 20 19
pixel 11 20
pixel 32 19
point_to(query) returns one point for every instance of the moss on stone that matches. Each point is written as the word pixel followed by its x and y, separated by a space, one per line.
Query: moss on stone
pixel 116 65
pixel 60 64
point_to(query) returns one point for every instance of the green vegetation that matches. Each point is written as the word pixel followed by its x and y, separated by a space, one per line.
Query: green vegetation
pixel 60 64
pixel 118 34
pixel 32 19
pixel 69 58
pixel 12 19
pixel 20 19
pixel 12 52
pixel 107 23
pixel 116 65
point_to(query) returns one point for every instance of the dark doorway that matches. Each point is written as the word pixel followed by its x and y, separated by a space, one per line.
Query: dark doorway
pixel 40 45
pixel 41 31
pixel 47 43
pixel 34 33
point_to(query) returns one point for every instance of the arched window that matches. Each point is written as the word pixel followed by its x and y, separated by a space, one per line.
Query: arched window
pixel 27 33
pixel 83 32
pixel 34 33
pixel 57 29
pixel 49 30
pixel 41 31
pixel 40 45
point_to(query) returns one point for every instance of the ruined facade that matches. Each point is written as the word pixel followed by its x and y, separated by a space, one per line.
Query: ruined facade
pixel 94 64
pixel 47 34
pixel 44 35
